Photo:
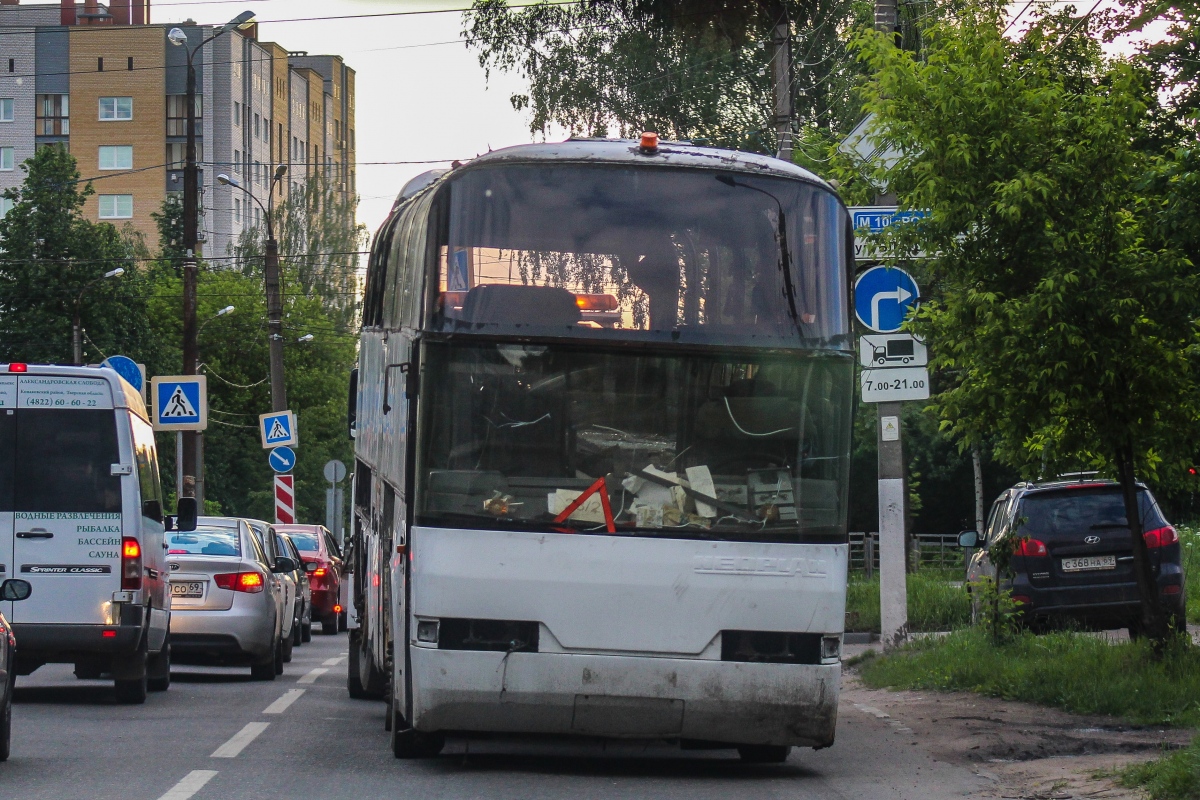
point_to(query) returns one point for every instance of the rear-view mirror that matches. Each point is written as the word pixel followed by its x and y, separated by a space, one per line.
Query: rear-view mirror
pixel 284 564
pixel 185 514
pixel 968 539
pixel 15 589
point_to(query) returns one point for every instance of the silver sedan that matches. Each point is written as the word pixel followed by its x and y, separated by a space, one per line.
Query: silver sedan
pixel 224 608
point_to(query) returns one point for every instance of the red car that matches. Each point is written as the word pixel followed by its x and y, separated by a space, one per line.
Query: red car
pixel 323 563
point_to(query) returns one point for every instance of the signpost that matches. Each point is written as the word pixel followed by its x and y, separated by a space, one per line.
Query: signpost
pixel 285 500
pixel 876 219
pixel 894 370
pixel 133 372
pixel 277 428
pixel 335 473
pixel 179 402
pixel 282 459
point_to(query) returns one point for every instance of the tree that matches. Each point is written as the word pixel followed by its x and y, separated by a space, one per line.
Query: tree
pixel 53 258
pixel 690 69
pixel 320 243
pixel 1063 318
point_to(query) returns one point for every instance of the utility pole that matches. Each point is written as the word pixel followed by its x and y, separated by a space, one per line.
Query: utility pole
pixel 271 282
pixel 274 317
pixel 191 347
pixel 190 450
pixel 781 61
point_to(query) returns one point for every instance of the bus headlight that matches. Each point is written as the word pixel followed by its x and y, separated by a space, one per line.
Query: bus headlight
pixel 831 648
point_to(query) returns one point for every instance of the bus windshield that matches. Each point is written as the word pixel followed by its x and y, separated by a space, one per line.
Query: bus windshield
pixel 642 253
pixel 566 437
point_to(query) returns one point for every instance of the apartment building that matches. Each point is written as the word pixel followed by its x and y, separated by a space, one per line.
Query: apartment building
pixel 106 83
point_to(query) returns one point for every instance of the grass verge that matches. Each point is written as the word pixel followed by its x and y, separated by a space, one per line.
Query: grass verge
pixel 1174 777
pixel 1189 537
pixel 1076 672
pixel 933 603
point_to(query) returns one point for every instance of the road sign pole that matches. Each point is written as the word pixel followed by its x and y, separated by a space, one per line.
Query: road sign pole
pixel 893 518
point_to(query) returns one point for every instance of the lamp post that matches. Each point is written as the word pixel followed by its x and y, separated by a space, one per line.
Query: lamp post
pixel 192 460
pixel 76 325
pixel 271 279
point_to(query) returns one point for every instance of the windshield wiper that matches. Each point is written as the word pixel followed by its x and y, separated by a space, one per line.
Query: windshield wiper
pixel 785 256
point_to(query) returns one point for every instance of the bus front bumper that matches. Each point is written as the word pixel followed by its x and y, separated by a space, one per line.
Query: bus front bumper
pixel 625 697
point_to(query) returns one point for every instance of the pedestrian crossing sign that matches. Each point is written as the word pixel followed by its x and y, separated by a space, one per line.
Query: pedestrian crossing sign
pixel 179 402
pixel 278 428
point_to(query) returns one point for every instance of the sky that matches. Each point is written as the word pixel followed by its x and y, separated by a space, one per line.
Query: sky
pixel 420 93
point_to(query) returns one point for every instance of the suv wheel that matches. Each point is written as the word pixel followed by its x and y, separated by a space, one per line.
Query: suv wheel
pixel 132 691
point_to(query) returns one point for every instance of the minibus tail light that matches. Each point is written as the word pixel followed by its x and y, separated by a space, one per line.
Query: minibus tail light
pixel 131 564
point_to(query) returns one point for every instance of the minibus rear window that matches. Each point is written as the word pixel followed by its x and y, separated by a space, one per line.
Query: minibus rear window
pixel 64 461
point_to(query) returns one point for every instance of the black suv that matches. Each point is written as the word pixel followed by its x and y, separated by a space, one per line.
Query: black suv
pixel 1073 559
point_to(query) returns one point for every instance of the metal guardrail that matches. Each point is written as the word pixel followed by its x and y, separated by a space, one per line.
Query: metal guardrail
pixel 937 550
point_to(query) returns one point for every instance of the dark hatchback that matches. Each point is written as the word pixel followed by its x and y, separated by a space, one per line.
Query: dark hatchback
pixel 1073 558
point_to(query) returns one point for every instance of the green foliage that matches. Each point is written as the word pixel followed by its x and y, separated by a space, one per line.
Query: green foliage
pixel 320 242
pixel 1189 542
pixel 1174 777
pixel 53 258
pixel 1080 673
pixel 690 69
pixel 935 603
pixel 1064 326
pixel 234 356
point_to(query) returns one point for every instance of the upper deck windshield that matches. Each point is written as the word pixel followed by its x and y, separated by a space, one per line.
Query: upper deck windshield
pixel 644 253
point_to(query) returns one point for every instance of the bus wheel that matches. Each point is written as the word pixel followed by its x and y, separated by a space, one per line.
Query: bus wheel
pixel 409 743
pixel 764 753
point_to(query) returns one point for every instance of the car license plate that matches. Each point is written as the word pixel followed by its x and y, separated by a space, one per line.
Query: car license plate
pixel 1089 562
pixel 187 589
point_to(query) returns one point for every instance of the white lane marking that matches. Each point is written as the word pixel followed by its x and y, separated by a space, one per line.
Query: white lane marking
pixel 281 705
pixel 240 739
pixel 312 675
pixel 332 662
pixel 190 784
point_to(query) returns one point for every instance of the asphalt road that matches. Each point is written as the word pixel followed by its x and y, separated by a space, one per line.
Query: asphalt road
pixel 217 734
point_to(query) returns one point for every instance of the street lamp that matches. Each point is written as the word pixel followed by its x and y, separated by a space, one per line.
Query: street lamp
pixel 193 467
pixel 221 313
pixel 76 326
pixel 271 279
pixel 305 339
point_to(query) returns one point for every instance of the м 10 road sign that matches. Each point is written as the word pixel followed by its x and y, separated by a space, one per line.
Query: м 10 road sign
pixel 179 402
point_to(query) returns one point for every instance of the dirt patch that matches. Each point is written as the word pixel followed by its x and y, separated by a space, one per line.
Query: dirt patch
pixel 1028 751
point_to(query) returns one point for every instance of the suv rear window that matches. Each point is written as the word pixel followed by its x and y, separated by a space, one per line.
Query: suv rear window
pixel 1072 510
pixel 205 542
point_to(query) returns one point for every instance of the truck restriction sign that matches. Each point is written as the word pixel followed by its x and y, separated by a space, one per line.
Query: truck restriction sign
pixel 880 351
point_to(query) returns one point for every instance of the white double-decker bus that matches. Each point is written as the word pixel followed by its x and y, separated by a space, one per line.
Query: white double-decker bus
pixel 603 415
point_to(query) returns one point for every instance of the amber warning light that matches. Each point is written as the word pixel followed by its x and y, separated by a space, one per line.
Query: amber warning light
pixel 649 143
